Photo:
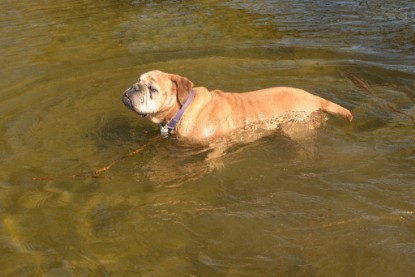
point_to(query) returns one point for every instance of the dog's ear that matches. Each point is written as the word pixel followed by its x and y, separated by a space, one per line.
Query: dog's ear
pixel 184 87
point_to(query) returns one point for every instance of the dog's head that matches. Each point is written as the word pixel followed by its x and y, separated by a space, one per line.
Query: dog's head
pixel 158 95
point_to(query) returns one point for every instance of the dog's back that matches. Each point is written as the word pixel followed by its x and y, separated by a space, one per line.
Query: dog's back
pixel 215 113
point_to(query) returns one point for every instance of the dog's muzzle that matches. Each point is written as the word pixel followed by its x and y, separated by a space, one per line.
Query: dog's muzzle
pixel 126 99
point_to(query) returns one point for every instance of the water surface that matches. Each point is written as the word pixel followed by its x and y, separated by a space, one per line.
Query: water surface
pixel 339 204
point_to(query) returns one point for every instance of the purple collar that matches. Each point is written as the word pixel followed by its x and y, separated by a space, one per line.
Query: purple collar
pixel 168 128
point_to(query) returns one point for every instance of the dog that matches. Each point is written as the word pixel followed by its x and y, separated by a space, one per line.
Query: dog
pixel 200 115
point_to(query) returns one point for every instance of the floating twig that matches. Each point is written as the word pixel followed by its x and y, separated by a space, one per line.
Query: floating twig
pixel 360 83
pixel 365 87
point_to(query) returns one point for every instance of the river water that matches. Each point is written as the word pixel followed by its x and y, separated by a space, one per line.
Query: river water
pixel 341 203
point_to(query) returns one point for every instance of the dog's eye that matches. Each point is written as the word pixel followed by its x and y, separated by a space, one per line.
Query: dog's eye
pixel 152 89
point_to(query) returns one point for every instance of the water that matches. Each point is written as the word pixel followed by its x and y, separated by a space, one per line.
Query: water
pixel 339 204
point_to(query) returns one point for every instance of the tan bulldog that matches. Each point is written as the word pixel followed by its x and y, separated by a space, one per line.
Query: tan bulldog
pixel 201 115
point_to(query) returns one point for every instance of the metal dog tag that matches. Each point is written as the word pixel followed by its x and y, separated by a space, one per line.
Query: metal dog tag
pixel 164 130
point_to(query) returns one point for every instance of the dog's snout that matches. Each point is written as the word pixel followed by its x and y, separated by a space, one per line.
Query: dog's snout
pixel 135 87
pixel 126 98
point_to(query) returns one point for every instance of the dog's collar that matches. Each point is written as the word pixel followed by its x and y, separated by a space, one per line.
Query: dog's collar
pixel 168 128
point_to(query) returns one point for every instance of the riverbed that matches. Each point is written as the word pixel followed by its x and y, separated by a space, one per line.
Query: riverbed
pixel 340 203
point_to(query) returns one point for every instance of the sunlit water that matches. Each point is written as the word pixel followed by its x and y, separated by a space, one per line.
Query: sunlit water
pixel 340 203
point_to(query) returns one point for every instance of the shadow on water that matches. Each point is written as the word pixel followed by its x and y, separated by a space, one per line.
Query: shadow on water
pixel 169 163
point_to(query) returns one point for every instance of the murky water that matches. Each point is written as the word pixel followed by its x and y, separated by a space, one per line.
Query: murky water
pixel 340 204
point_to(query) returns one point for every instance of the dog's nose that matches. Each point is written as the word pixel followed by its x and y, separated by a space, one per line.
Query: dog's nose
pixel 126 94
pixel 126 99
pixel 131 89
pixel 128 90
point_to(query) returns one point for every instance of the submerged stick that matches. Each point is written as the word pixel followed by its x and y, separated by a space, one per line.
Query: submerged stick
pixel 98 172
pixel 365 87
pixel 73 176
pixel 138 150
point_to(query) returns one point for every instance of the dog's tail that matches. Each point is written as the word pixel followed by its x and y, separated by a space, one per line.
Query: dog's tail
pixel 334 108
